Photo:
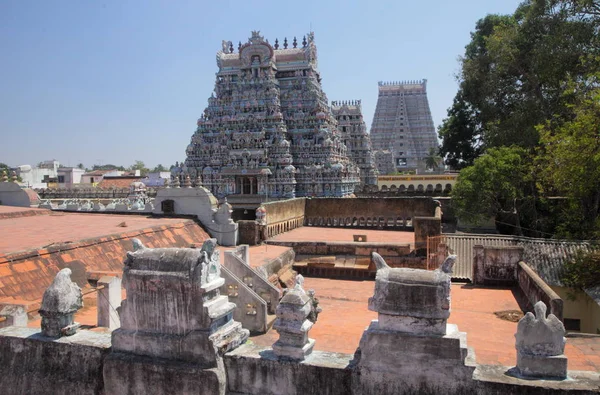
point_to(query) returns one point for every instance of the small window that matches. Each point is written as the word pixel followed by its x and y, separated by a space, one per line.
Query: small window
pixel 572 324
pixel 61 179
pixel 168 206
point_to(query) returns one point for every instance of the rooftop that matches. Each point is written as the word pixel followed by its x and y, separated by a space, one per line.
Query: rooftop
pixel 33 232
pixel 316 234
pixel 345 316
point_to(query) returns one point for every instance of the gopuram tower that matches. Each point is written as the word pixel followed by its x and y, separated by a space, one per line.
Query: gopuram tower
pixel 403 124
pixel 268 130
pixel 348 113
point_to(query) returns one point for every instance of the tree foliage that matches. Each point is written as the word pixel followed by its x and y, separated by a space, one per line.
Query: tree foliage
pixel 495 186
pixel 583 271
pixel 569 160
pixel 518 72
pixel 514 73
pixel 108 167
pixel 159 168
pixel 139 165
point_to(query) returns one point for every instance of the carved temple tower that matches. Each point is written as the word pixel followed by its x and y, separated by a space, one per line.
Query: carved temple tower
pixel 268 129
pixel 354 135
pixel 403 124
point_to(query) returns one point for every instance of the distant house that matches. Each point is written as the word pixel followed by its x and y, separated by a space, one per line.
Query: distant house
pixel 157 179
pixel 68 176
pixel 38 177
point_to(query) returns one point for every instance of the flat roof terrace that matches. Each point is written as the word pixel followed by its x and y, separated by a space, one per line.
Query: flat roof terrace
pixel 323 234
pixel 345 316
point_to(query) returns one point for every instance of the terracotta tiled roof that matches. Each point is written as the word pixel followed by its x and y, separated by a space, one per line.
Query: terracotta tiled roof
pixel 38 247
pixel 118 182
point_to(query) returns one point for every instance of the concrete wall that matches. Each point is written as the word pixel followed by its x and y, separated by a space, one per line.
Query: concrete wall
pixel 283 216
pixel 249 232
pixel 375 213
pixel 33 364
pixel 201 203
pixel 535 290
pixel 253 369
pixel 579 306
pixel 426 227
pixel 275 265
pixel 251 309
pixel 496 265
pixel 391 252
pixel 253 280
pixel 11 194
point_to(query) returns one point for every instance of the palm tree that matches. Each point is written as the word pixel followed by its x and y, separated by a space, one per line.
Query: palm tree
pixel 432 160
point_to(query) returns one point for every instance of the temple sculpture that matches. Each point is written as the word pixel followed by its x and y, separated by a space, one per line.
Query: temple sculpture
pixel 541 345
pixel 174 323
pixel 268 129
pixel 348 113
pixel 411 337
pixel 60 302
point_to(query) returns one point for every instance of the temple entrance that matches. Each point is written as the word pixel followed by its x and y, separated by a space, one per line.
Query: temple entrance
pixel 246 185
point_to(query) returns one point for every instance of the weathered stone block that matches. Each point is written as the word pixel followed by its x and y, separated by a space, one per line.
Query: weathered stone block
pixel 134 374
pixel 542 367
pixel 31 363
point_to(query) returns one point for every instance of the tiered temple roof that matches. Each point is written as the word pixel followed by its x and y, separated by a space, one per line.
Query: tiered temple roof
pixel 403 124
pixel 354 135
pixel 268 128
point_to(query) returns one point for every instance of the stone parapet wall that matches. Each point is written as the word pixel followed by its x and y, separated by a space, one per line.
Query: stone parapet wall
pixel 25 275
pixel 387 250
pixel 393 213
pixel 253 369
pixel 34 364
pixel 535 290
pixel 87 192
pixel 496 265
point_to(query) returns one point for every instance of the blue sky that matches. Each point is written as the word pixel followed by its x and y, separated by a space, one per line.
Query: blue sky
pixel 118 81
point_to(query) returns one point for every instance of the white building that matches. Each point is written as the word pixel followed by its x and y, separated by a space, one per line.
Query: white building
pixel 157 179
pixel 38 177
pixel 67 176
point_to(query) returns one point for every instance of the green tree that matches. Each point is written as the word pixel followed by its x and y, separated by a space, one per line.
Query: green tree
pixel 159 168
pixel 513 75
pixel 495 186
pixel 139 165
pixel 108 167
pixel 432 160
pixel 583 271
pixel 569 159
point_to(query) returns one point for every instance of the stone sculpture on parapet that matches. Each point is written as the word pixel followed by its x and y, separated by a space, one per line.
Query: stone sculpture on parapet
pixel 541 345
pixel 60 302
pixel 412 300
pixel 175 324
pixel 411 343
pixel 292 324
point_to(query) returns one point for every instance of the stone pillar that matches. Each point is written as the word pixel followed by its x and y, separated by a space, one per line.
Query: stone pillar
pixel 60 302
pixel 541 345
pixel 109 300
pixel 411 343
pixel 175 324
pixel 292 324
